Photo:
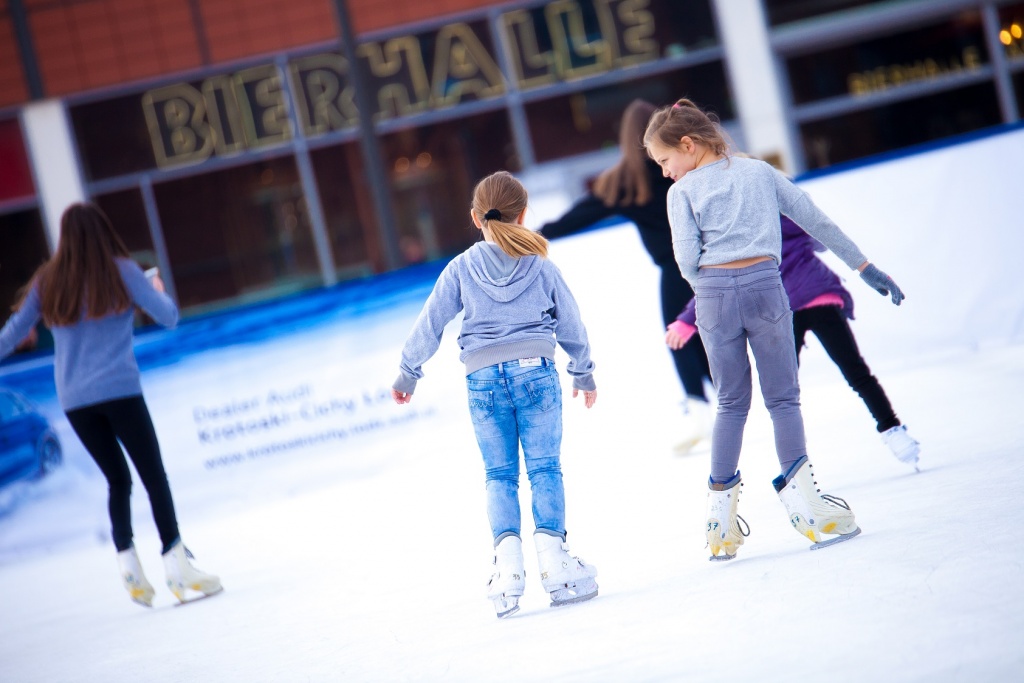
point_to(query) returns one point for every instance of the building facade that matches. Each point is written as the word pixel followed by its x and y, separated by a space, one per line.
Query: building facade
pixel 224 140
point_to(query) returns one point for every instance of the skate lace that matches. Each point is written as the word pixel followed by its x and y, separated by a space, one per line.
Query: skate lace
pixel 188 553
pixel 835 500
pixel 740 528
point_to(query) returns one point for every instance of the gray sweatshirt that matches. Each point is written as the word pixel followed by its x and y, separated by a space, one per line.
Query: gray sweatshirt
pixel 514 308
pixel 729 210
pixel 93 360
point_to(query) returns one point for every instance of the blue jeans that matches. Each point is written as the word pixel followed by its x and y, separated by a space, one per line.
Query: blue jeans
pixel 512 405
pixel 736 307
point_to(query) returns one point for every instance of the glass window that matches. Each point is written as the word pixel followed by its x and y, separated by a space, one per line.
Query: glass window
pixel 899 125
pixel 23 249
pixel 347 201
pixel 1011 31
pixel 15 172
pixel 587 121
pixel 112 137
pixel 784 11
pixel 128 216
pixel 433 170
pixel 952 46
pixel 238 235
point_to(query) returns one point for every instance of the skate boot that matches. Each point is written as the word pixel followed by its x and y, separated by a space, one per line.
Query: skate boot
pixel 903 446
pixel 725 528
pixel 509 578
pixel 697 422
pixel 183 577
pixel 133 577
pixel 566 578
pixel 811 513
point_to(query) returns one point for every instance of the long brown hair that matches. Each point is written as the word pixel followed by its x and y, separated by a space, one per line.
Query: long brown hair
pixel 83 276
pixel 503 193
pixel 684 118
pixel 627 183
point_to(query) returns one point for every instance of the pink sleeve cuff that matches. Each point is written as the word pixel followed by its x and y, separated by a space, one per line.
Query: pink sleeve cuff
pixel 683 330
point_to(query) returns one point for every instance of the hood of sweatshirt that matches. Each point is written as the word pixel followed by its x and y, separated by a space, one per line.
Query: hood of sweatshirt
pixel 500 276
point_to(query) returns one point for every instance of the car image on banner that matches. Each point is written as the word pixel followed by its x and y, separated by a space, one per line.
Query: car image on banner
pixel 29 447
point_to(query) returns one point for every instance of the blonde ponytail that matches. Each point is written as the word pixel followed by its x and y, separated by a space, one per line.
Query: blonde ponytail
pixel 498 200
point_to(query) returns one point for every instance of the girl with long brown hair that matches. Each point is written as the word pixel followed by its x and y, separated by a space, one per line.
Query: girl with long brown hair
pixel 635 189
pixel 87 294
pixel 517 307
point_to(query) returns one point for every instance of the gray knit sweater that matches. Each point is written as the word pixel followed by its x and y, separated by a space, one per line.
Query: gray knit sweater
pixel 93 360
pixel 514 308
pixel 729 210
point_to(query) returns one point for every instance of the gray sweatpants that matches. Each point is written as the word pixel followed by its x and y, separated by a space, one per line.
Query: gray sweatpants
pixel 736 307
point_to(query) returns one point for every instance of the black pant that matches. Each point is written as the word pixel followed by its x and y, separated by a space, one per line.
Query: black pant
pixel 99 427
pixel 832 329
pixel 691 360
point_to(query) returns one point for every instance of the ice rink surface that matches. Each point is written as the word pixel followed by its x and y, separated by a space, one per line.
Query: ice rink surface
pixel 357 548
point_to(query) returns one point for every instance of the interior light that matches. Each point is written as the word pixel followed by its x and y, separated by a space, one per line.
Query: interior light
pixel 401 164
pixel 1004 37
pixel 1015 31
pixel 423 159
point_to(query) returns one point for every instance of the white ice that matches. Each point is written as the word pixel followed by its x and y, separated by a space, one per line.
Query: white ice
pixel 365 557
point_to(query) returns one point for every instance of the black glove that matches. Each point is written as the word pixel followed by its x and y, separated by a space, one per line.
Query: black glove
pixel 883 283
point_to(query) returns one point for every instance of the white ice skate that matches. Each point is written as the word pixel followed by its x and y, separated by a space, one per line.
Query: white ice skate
pixel 509 577
pixel 182 577
pixel 811 513
pixel 724 533
pixel 134 578
pixel 696 424
pixel 903 446
pixel 566 578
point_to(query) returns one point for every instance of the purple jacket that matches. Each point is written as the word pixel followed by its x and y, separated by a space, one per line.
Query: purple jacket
pixel 804 275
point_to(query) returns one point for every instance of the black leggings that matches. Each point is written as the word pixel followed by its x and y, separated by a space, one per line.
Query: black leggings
pixel 691 361
pixel 833 331
pixel 99 427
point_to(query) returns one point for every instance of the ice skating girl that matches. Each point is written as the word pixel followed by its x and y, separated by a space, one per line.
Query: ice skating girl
pixel 727 241
pixel 86 294
pixel 823 306
pixel 635 189
pixel 517 306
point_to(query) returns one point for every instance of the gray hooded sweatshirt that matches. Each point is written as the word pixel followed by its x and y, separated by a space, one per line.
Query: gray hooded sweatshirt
pixel 514 308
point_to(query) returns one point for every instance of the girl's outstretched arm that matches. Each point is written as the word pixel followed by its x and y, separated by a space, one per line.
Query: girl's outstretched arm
pixel 443 304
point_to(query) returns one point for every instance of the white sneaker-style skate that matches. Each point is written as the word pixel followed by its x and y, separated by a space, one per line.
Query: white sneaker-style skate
pixel 134 578
pixel 183 577
pixel 811 513
pixel 697 423
pixel 566 578
pixel 509 577
pixel 903 446
pixel 724 533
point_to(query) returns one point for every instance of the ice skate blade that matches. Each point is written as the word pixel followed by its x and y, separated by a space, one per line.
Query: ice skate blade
pixel 197 598
pixel 506 607
pixel 721 558
pixel 570 595
pixel 838 539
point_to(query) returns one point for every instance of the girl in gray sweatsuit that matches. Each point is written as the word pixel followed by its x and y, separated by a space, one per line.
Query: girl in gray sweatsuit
pixel 516 307
pixel 727 239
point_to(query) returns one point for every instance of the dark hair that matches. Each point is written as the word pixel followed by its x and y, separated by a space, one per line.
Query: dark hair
pixel 500 192
pixel 669 125
pixel 628 182
pixel 82 276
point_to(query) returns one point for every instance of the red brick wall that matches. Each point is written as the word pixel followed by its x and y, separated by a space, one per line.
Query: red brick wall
pixel 82 45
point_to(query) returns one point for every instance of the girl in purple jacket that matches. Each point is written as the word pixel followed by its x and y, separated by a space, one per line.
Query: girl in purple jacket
pixel 821 305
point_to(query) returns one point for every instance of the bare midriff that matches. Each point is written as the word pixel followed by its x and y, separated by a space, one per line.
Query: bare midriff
pixel 742 263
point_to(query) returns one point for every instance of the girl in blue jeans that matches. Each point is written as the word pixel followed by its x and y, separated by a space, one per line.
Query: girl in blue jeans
pixel 516 307
pixel 724 211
